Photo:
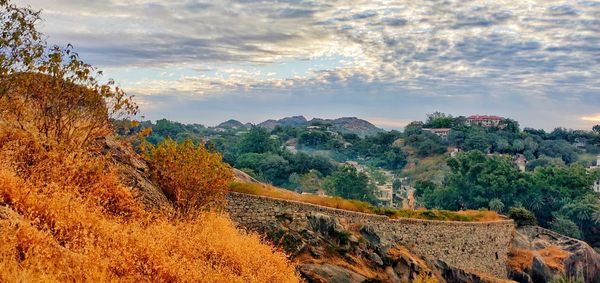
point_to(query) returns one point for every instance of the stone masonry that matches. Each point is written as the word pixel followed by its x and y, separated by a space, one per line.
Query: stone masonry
pixel 472 246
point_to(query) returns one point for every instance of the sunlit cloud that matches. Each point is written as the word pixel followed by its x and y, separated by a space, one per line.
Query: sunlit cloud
pixel 594 118
pixel 406 53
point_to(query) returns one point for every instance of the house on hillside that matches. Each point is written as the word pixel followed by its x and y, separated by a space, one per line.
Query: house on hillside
pixel 596 186
pixel 441 132
pixel 521 161
pixel 385 195
pixel 484 120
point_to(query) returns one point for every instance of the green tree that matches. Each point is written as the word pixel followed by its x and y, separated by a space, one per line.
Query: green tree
pixel 566 227
pixel 522 216
pixel 496 205
pixel 348 183
pixel 257 140
pixel 439 120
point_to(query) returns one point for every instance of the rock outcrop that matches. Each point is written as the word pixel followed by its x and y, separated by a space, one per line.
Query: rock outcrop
pixel 133 171
pixel 541 255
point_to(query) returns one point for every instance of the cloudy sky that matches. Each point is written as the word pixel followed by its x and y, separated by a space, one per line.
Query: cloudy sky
pixel 390 62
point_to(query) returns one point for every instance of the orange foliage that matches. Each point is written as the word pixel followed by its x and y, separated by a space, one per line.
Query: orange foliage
pixel 191 176
pixel 78 223
pixel 554 257
pixel 520 260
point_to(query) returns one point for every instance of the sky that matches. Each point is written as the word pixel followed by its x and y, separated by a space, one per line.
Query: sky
pixel 389 62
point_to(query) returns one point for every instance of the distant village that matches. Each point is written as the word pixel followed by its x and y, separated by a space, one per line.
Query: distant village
pixel 403 196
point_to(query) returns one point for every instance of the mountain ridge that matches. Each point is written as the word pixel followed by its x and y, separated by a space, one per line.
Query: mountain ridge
pixel 345 125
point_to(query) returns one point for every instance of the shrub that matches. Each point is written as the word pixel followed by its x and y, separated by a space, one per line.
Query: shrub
pixel 496 205
pixel 522 216
pixel 191 176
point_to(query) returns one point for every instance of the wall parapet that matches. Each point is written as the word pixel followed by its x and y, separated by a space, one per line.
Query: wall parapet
pixel 474 246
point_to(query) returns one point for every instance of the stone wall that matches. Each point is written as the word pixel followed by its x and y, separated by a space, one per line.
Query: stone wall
pixel 472 246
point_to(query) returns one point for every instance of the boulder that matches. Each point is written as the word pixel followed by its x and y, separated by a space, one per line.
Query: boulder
pixel 133 172
pixel 322 273
pixel 554 256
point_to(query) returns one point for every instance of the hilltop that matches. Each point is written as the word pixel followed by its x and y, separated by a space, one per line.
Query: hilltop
pixel 344 125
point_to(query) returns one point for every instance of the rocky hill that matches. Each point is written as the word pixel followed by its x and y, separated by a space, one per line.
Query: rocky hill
pixel 294 121
pixel 344 125
pixel 231 124
pixel 350 125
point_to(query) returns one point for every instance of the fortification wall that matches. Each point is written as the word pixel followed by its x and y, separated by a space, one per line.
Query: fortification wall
pixel 472 246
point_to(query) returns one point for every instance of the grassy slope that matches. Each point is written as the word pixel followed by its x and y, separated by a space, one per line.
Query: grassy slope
pixel 65 216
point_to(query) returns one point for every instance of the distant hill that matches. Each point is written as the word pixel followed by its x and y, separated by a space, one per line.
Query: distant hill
pixel 350 125
pixel 231 124
pixel 344 125
pixel 294 121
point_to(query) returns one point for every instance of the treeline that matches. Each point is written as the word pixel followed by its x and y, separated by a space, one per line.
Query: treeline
pixel 558 147
pixel 559 197
pixel 263 154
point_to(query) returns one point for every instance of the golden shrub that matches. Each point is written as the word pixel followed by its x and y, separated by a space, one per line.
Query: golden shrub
pixel 191 176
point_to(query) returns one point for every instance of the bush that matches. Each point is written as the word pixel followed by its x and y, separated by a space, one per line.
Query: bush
pixel 191 176
pixel 522 216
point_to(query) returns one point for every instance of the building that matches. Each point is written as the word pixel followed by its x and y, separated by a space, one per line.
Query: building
pixel 484 120
pixel 441 132
pixel 596 186
pixel 520 161
pixel 385 195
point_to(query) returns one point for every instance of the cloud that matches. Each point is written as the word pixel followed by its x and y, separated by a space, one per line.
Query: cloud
pixel 435 50
pixel 594 118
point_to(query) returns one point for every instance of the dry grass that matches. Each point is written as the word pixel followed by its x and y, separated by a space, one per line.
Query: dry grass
pixel 79 223
pixel 554 257
pixel 270 191
pixel 520 260
pixel 359 206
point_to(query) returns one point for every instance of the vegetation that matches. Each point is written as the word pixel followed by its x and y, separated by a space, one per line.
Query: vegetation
pixel 348 183
pixel 553 194
pixel 522 216
pixel 65 214
pixel 191 176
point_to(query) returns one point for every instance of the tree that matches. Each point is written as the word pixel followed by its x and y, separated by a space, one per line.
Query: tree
pixel 310 182
pixel 476 140
pixel 316 139
pixel 191 176
pixel 257 140
pixel 522 216
pixel 348 183
pixel 439 120
pixel 558 148
pixel 596 129
pixel 268 167
pixel 566 227
pixel 51 91
pixel 496 205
